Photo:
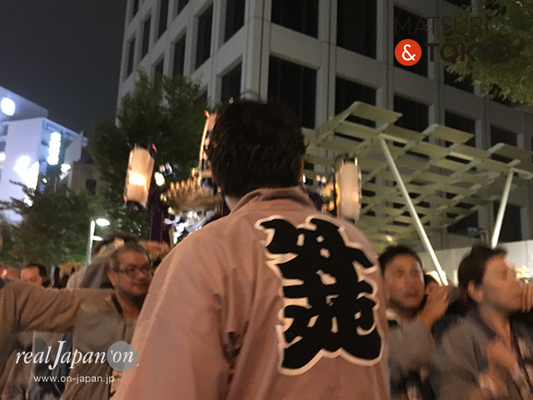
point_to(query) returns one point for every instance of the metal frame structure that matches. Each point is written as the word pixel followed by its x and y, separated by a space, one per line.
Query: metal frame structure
pixel 439 177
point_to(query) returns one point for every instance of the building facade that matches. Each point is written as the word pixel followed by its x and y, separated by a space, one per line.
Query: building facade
pixel 31 147
pixel 319 56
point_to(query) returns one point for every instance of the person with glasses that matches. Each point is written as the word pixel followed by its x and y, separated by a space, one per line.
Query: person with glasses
pixel 101 324
pixel 97 319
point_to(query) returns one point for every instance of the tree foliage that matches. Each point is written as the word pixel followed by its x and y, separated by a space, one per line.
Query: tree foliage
pixel 162 112
pixel 7 240
pixel 509 22
pixel 54 228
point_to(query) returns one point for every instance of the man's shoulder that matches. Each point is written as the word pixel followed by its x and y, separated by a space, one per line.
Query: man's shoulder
pixel 463 332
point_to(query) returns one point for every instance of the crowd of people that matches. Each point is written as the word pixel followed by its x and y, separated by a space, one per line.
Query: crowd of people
pixel 274 301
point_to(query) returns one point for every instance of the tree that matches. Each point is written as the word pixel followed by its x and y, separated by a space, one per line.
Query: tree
pixel 162 112
pixel 509 24
pixel 7 240
pixel 54 228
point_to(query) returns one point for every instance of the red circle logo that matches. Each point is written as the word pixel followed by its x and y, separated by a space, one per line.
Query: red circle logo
pixel 408 52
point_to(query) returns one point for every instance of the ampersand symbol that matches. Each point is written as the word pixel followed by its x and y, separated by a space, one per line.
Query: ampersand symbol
pixel 409 57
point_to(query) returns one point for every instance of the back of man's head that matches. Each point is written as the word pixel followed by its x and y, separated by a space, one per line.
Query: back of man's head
pixel 255 145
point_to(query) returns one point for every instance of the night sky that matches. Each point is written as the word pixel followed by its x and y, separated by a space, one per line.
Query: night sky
pixel 63 55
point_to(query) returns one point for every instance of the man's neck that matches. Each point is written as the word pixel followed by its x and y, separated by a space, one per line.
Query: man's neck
pixel 497 320
pixel 403 314
pixel 231 202
pixel 130 309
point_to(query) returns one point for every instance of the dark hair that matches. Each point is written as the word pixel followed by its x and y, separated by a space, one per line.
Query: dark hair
pixel 43 272
pixel 110 238
pixel 255 145
pixel 473 265
pixel 392 251
pixel 114 259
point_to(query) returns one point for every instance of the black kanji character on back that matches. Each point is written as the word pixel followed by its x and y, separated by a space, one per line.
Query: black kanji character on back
pixel 331 307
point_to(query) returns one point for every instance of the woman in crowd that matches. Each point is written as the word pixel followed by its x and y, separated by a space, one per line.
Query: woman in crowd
pixel 487 355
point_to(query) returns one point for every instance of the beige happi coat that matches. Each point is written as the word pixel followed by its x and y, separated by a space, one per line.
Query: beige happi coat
pixel 219 323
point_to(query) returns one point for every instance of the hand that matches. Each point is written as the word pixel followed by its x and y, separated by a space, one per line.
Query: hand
pixel 527 298
pixel 436 305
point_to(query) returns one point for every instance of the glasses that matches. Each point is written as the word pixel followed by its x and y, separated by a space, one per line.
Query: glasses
pixel 131 272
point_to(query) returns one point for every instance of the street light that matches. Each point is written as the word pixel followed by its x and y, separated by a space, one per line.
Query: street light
pixel 94 222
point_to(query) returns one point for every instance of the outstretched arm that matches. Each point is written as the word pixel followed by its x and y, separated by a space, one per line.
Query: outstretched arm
pixel 25 308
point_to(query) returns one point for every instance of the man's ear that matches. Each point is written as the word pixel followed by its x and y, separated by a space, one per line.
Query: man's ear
pixel 112 275
pixel 301 172
pixel 475 292
pixel 385 291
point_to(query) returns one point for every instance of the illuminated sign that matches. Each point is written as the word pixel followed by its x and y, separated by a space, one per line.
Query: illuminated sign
pixel 54 148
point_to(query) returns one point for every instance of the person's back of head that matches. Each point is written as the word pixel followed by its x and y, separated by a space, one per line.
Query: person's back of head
pixel 255 145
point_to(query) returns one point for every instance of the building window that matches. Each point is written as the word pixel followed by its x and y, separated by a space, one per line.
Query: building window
pixel 179 56
pixel 460 3
pixel 234 17
pixel 2 146
pixel 451 80
pixel 347 92
pixel 495 94
pixel 356 26
pixel 231 84
pixel 131 57
pixel 3 130
pixel 498 135
pixel 415 114
pixel 203 49
pixel 512 223
pixel 182 4
pixel 298 15
pixel 294 85
pixel 146 37
pixel 411 26
pixel 134 8
pixel 467 226
pixel 163 17
pixel 461 123
pixel 158 69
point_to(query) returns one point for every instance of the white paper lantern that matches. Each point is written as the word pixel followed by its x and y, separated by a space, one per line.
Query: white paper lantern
pixel 139 176
pixel 348 189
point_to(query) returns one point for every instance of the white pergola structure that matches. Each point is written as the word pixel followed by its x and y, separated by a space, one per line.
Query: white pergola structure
pixel 415 183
